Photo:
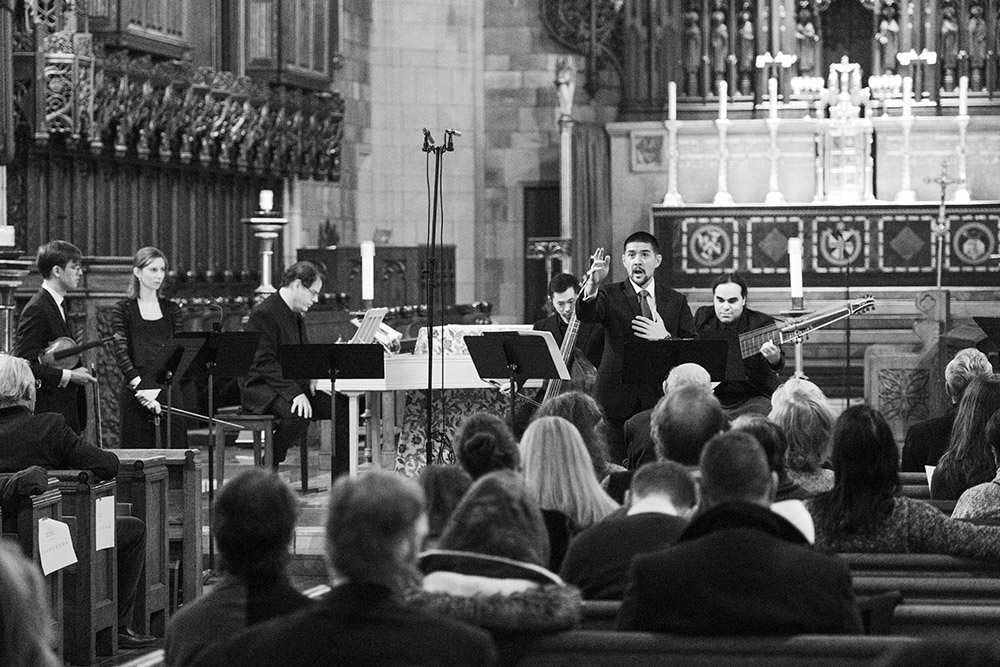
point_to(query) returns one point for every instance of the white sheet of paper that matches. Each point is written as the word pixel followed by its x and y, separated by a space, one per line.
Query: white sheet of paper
pixel 105 523
pixel 930 473
pixel 55 546
pixel 149 394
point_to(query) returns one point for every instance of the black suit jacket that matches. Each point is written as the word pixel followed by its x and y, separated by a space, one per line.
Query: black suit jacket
pixel 638 439
pixel 926 441
pixel 355 624
pixel 278 326
pixel 44 439
pixel 752 376
pixel 740 569
pixel 40 324
pixel 614 308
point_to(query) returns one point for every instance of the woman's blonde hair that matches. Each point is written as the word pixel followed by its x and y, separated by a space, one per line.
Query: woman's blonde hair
pixel 803 411
pixel 143 257
pixel 559 473
pixel 25 619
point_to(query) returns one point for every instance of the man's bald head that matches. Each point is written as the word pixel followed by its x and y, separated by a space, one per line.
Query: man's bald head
pixel 683 421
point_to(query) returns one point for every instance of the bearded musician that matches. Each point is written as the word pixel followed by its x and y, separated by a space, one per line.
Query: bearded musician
pixel 749 382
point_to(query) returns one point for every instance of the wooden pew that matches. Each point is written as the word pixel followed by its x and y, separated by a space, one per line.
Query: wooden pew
pixel 142 482
pixel 22 526
pixel 90 613
pixel 184 523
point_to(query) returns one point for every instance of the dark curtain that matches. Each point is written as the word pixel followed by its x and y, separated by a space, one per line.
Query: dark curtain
pixel 591 193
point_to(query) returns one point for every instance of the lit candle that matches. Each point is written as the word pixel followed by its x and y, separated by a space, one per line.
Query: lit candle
pixel 367 270
pixel 907 96
pixel 772 94
pixel 795 266
pixel 7 235
pixel 672 101
pixel 723 93
pixel 963 96
pixel 266 200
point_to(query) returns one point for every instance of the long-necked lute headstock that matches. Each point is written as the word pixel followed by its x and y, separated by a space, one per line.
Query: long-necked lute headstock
pixel 795 330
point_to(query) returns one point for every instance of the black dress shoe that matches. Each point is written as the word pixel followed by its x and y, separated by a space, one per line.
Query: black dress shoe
pixel 129 638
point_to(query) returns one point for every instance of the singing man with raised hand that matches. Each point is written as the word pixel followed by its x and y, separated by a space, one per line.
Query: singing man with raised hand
pixel 636 307
pixel 43 320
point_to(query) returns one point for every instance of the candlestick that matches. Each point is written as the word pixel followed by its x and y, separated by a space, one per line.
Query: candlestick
pixel 907 95
pixel 963 96
pixel 7 235
pixel 795 268
pixel 367 270
pixel 772 93
pixel 672 101
pixel 723 93
pixel 267 200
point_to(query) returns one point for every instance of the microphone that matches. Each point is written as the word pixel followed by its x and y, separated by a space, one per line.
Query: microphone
pixel 217 326
pixel 428 141
pixel 455 132
pixel 448 134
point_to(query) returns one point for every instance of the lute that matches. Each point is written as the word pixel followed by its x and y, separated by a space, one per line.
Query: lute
pixel 795 330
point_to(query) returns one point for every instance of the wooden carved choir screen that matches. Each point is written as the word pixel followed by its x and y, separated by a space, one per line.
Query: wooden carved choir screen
pixel 698 43
pixel 119 144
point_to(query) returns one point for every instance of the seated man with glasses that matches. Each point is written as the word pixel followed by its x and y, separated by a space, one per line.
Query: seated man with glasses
pixel 43 320
pixel 264 389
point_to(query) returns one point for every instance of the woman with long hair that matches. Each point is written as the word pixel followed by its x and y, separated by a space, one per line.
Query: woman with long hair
pixel 864 512
pixel 143 324
pixel 803 411
pixel 968 460
pixel 560 477
pixel 583 412
pixel 982 502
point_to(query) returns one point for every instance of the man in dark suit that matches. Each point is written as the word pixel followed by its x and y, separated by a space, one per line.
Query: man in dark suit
pixel 749 382
pixel 739 568
pixel 29 438
pixel 926 441
pixel 564 289
pixel 637 307
pixel 663 497
pixel 43 320
pixel 265 390
pixel 374 528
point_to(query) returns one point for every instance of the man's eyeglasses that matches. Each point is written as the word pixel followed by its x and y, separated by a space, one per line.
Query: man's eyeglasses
pixel 314 292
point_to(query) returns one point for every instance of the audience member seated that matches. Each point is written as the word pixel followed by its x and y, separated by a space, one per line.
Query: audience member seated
pixel 490 569
pixel 25 619
pixel 255 514
pixel 560 478
pixel 663 498
pixel 803 412
pixel 982 502
pixel 375 525
pixel 739 568
pixel 926 441
pixel 968 460
pixel 484 443
pixel 45 440
pixel 583 412
pixel 864 513
pixel 638 439
pixel 444 487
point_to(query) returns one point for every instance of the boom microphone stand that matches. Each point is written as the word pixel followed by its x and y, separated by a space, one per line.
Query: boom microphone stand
pixel 431 274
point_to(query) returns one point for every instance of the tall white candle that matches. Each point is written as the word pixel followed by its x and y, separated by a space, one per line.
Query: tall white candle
pixel 723 94
pixel 772 94
pixel 672 101
pixel 367 270
pixel 907 96
pixel 963 96
pixel 266 200
pixel 795 266
pixel 7 235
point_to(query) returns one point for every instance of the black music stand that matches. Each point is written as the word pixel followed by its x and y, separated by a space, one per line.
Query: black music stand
pixel 174 361
pixel 221 354
pixel 517 356
pixel 334 361
pixel 650 361
pixel 990 327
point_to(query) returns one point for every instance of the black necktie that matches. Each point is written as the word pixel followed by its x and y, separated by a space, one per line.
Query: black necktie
pixel 644 304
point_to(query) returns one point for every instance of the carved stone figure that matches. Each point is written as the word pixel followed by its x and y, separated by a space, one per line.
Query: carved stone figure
pixel 720 44
pixel 692 51
pixel 977 45
pixel 807 42
pixel 565 85
pixel 748 52
pixel 949 45
pixel 888 39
